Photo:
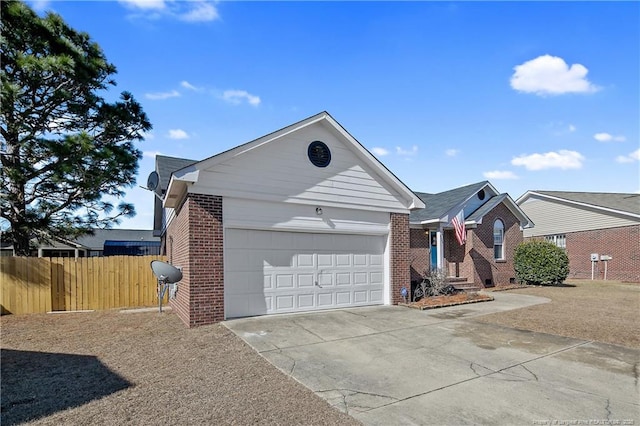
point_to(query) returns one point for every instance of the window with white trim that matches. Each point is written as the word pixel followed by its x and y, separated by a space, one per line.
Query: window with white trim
pixel 498 240
pixel 559 240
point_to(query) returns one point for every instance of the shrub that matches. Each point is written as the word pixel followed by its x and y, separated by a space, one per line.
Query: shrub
pixel 540 262
pixel 434 284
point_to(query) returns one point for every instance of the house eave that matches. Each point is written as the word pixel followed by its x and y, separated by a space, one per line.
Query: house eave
pixel 470 224
pixel 178 186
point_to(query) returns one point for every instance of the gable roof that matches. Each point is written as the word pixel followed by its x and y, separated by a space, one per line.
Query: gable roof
pixel 190 174
pixel 165 166
pixel 477 215
pixel 438 205
pixel 625 203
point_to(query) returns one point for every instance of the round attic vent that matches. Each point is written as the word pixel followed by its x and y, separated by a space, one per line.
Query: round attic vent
pixel 481 194
pixel 319 154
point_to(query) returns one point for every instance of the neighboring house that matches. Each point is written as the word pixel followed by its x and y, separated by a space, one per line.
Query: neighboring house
pixel 493 225
pixel 586 224
pixel 104 242
pixel 301 219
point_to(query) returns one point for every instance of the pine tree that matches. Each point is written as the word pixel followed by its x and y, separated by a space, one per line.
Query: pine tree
pixel 63 146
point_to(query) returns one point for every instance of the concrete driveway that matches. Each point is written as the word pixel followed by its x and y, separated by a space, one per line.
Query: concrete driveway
pixel 391 365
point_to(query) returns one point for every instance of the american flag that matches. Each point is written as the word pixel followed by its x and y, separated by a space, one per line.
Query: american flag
pixel 458 225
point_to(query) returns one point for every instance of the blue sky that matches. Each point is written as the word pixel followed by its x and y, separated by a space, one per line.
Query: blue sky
pixel 540 95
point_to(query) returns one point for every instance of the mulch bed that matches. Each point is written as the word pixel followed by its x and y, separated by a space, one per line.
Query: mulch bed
pixel 506 287
pixel 448 300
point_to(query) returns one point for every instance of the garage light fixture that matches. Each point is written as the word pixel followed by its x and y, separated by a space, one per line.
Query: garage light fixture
pixel 318 211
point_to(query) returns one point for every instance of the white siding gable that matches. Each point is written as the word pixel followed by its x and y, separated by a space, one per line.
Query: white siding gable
pixel 554 217
pixel 474 203
pixel 280 171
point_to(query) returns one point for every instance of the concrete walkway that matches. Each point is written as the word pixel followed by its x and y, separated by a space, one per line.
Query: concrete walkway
pixel 390 365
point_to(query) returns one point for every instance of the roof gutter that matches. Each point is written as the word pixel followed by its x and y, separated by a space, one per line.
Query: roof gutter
pixel 178 185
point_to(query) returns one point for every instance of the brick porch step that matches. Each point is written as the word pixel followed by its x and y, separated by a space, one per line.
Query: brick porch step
pixel 461 283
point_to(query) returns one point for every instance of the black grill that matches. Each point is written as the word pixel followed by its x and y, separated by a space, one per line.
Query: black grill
pixel 319 154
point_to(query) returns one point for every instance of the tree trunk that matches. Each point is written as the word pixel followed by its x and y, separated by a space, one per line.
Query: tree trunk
pixel 16 194
pixel 21 239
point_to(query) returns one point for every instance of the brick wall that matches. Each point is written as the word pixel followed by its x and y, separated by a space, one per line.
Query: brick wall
pixel 177 247
pixel 400 273
pixel 195 242
pixel 455 254
pixel 480 253
pixel 419 248
pixel 622 244
pixel 474 260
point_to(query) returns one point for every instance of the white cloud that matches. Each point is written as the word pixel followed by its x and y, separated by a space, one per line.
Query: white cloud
pixel 40 5
pixel 162 95
pixel 200 12
pixel 380 152
pixel 630 158
pixel 500 174
pixel 187 11
pixel 189 86
pixel 452 152
pixel 236 97
pixel 407 152
pixel 563 159
pixel 606 137
pixel 144 4
pixel 178 134
pixel 551 75
pixel 572 128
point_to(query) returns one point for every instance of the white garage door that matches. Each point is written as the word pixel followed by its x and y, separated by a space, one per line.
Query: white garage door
pixel 275 272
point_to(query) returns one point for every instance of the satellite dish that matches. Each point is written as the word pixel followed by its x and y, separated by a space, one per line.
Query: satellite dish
pixel 167 274
pixel 153 180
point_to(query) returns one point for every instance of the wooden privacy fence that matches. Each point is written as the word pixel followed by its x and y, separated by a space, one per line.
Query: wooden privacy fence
pixel 32 284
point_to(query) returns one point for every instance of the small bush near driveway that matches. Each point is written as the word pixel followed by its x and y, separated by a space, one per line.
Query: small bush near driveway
pixel 540 262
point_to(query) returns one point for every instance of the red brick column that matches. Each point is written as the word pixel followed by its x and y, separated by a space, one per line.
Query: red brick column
pixel 400 274
pixel 420 254
pixel 206 266
pixel 194 242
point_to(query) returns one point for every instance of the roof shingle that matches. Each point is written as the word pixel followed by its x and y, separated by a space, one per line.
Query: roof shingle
pixel 437 205
pixel 625 202
pixel 166 165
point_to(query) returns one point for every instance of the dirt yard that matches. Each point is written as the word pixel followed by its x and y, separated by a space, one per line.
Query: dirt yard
pixel 605 311
pixel 147 368
pixel 143 369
